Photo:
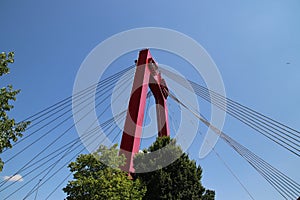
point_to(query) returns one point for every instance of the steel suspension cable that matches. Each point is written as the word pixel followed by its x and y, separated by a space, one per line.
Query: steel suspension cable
pixel 284 187
pixel 48 112
pixel 53 174
pixel 273 130
pixel 92 140
pixel 267 132
pixel 218 156
pixel 287 189
pixel 56 140
pixel 66 119
pixel 108 79
pixel 50 167
pixel 36 176
pixel 229 107
pixel 67 152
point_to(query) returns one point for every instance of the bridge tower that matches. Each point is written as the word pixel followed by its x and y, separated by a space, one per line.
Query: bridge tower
pixel 146 76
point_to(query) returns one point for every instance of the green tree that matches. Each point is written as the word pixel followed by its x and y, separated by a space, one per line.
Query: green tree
pixel 95 180
pixel 179 180
pixel 10 131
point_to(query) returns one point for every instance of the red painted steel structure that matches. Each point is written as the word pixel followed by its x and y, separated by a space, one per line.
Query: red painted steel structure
pixel 146 75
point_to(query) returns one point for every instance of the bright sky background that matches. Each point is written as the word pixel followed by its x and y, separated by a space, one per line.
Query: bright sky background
pixel 251 43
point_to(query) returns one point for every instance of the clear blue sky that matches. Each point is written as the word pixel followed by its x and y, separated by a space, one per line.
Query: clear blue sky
pixel 251 43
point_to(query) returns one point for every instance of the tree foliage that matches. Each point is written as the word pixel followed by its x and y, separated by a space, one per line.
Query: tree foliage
pixel 95 180
pixel 179 180
pixel 10 131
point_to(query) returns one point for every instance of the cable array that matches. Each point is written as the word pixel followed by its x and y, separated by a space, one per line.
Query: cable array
pixel 277 132
pixel 49 124
pixel 109 127
pixel 218 156
pixel 65 105
pixel 287 187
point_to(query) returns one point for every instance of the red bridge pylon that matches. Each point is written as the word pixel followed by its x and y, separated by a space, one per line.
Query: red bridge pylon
pixel 146 75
